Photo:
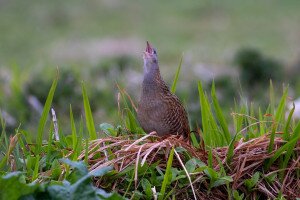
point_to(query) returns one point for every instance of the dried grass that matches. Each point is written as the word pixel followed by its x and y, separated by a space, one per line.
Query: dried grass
pixel 249 157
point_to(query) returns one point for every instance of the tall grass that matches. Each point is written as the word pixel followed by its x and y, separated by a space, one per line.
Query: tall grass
pixel 88 115
pixel 41 160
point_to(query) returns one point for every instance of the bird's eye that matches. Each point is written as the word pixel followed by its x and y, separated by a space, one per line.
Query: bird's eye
pixel 154 51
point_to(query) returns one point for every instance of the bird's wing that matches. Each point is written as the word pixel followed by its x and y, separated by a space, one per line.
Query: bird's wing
pixel 175 116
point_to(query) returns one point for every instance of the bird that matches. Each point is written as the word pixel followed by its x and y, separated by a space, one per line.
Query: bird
pixel 159 109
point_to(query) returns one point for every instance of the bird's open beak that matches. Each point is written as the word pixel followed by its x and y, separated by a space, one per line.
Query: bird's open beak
pixel 149 49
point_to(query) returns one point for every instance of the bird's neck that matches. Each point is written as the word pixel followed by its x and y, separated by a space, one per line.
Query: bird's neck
pixel 151 83
pixel 152 76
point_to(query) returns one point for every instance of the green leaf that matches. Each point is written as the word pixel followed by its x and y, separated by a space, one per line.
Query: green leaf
pixel 211 132
pixel 220 116
pixel 88 115
pixel 131 122
pixel 250 183
pixel 80 166
pixel 261 124
pixel 290 150
pixel 194 140
pixel 36 168
pixel 55 169
pixel 73 128
pixel 205 118
pixel 44 117
pixel 212 174
pixel 272 99
pixel 101 171
pixel 59 192
pixel 288 146
pixel 13 186
pixel 173 88
pixel 167 176
pixel 271 178
pixel 286 135
pixel 279 115
pixel 108 129
pixel 108 196
pixel 192 164
pixel 49 146
pixel 146 185
pixel 237 196
pixel 221 181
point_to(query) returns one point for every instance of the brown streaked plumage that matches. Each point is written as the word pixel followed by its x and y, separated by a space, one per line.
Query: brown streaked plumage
pixel 159 110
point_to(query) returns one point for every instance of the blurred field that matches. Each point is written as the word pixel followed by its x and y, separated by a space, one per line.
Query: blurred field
pixel 101 42
pixel 210 30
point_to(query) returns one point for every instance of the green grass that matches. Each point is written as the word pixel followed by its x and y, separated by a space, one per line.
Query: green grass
pixel 88 115
pixel 44 117
pixel 167 176
pixel 215 133
pixel 59 168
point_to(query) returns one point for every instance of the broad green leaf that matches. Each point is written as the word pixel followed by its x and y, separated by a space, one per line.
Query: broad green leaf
pixel 80 166
pixel 101 171
pixel 13 186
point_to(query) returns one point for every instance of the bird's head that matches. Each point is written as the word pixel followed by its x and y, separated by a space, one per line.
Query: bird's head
pixel 150 59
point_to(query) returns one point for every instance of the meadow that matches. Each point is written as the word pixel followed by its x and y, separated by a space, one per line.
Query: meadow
pixel 260 160
pixel 70 73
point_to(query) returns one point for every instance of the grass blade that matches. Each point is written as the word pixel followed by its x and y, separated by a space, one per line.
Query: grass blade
pixel 44 117
pixel 286 135
pixel 212 135
pixel 36 168
pixel 290 149
pixel 219 115
pixel 73 128
pixel 279 115
pixel 131 122
pixel 261 124
pixel 204 113
pixel 173 88
pixel 49 147
pixel 86 152
pixel 167 176
pixel 272 99
pixel 88 115
pixel 290 145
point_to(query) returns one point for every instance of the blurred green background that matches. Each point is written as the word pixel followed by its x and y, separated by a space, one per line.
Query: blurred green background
pixel 238 44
